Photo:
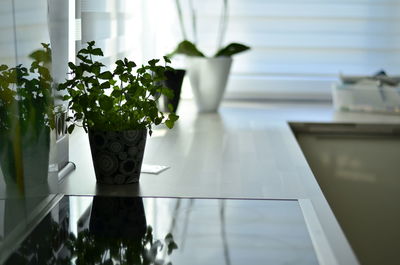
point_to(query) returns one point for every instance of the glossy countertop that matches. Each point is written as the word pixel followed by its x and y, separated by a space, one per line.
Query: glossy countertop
pixel 247 150
pixel 135 230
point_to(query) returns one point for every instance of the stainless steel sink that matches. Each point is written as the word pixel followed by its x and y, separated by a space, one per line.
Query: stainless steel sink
pixel 358 170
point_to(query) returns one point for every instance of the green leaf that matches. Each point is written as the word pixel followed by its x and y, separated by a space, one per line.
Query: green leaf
pixel 71 128
pixel 166 59
pixel 106 103
pixel 83 59
pixel 171 247
pixel 232 49
pixel 187 48
pixel 131 64
pixel 105 75
pixel 153 62
pixel 80 86
pixel 170 107
pixel 105 85
pixel 71 66
pixel 41 55
pixel 169 124
pixel 3 67
pixel 83 51
pixel 116 93
pixel 97 51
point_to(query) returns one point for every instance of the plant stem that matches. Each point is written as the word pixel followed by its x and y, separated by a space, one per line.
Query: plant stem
pixel 194 21
pixel 223 24
pixel 179 9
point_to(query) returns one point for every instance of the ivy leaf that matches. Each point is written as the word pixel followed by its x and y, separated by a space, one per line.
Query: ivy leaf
pixel 232 49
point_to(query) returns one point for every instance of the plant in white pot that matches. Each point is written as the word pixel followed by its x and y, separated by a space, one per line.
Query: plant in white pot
pixel 116 109
pixel 208 75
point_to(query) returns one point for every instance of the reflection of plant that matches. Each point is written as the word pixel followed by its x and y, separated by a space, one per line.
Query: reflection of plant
pixel 26 115
pixel 25 94
pixel 118 100
pixel 43 244
pixel 88 248
pixel 189 48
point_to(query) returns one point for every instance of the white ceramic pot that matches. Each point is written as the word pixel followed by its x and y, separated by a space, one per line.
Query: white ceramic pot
pixel 208 78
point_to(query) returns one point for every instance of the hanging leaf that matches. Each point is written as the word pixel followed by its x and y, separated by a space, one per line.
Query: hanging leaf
pixel 232 49
pixel 187 48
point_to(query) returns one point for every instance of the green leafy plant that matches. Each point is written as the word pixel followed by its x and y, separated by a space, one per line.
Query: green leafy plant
pixel 123 99
pixel 189 48
pixel 26 116
pixel 25 94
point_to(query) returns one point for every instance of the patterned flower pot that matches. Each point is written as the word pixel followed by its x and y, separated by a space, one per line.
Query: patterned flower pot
pixel 117 156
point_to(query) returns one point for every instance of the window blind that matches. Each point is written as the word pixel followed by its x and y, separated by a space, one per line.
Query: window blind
pixel 113 24
pixel 23 26
pixel 299 47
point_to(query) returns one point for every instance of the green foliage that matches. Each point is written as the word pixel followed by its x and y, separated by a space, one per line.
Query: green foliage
pixel 88 248
pixel 188 48
pixel 123 99
pixel 25 94
pixel 232 49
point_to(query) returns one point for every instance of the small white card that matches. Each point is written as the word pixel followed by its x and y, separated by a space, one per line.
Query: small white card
pixel 153 169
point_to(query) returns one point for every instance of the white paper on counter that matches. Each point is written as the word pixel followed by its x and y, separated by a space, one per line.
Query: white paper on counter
pixel 153 169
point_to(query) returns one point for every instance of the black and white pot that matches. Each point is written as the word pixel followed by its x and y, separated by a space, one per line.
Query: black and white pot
pixel 117 155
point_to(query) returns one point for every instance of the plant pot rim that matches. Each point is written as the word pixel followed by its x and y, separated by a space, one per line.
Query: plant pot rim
pixel 125 130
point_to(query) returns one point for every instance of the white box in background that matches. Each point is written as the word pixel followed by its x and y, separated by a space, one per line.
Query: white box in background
pixel 367 97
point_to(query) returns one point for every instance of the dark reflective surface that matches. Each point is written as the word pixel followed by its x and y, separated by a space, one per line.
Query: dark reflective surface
pixel 107 230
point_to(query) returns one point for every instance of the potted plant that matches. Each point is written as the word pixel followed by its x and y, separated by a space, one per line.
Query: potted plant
pixel 26 117
pixel 208 75
pixel 173 81
pixel 116 109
